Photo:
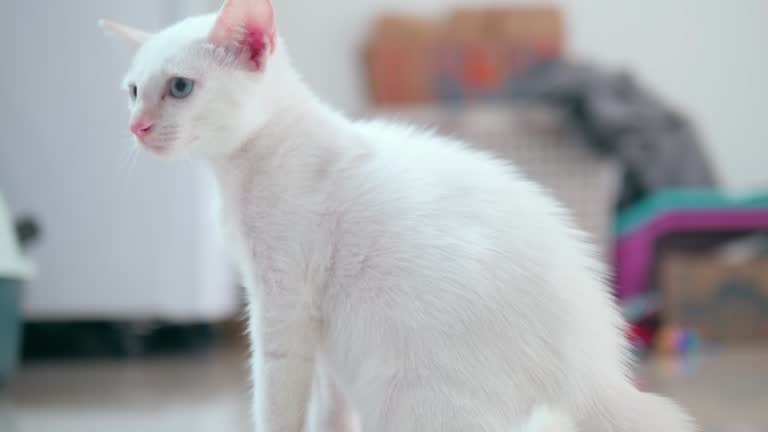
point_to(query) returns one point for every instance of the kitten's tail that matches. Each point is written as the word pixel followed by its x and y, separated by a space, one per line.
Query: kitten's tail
pixel 545 419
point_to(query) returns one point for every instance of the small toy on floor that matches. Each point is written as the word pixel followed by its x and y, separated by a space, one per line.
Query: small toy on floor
pixel 676 340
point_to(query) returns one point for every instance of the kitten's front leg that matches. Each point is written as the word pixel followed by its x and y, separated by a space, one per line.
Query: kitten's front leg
pixel 289 354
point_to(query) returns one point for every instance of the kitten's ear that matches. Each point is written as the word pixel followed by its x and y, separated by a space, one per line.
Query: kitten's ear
pixel 135 38
pixel 246 24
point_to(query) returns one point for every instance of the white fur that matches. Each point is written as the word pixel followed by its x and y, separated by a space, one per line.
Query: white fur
pixel 544 420
pixel 424 286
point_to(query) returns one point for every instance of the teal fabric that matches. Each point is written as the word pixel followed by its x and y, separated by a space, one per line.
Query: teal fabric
pixel 670 199
pixel 10 327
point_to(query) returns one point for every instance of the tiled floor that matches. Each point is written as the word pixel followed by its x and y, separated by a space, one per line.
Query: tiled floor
pixel 727 392
pixel 201 393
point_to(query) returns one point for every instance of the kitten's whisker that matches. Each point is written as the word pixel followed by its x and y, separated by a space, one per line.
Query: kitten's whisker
pixel 136 152
pixel 125 155
pixel 125 158
pixel 130 163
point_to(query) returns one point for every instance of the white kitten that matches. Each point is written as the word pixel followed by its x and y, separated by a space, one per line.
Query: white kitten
pixel 420 285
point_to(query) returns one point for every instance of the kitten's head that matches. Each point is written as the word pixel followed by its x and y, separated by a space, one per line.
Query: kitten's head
pixel 198 88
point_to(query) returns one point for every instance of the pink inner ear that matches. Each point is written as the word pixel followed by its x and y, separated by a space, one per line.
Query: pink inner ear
pixel 257 45
pixel 247 24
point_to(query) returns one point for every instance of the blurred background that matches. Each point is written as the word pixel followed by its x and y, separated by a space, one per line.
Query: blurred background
pixel 119 311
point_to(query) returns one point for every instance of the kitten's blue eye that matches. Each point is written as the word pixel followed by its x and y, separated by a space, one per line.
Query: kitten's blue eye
pixel 181 87
pixel 133 91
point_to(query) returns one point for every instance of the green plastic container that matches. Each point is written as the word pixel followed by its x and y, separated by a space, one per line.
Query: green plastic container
pixel 678 199
pixel 10 327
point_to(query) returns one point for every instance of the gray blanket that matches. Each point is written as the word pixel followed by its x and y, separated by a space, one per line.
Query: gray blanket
pixel 614 115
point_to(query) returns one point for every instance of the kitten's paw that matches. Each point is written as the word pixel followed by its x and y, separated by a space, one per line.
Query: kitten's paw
pixel 545 419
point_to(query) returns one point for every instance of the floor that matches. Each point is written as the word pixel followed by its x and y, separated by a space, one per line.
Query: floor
pixel 726 391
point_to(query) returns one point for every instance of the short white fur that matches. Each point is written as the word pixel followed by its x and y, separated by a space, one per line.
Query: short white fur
pixel 398 280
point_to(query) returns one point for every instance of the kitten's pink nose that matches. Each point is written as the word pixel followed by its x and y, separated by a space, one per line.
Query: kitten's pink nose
pixel 142 127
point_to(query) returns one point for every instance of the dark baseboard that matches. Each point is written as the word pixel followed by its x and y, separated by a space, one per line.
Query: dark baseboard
pixel 112 339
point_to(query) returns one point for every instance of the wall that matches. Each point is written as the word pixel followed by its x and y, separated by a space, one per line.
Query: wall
pixel 705 56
